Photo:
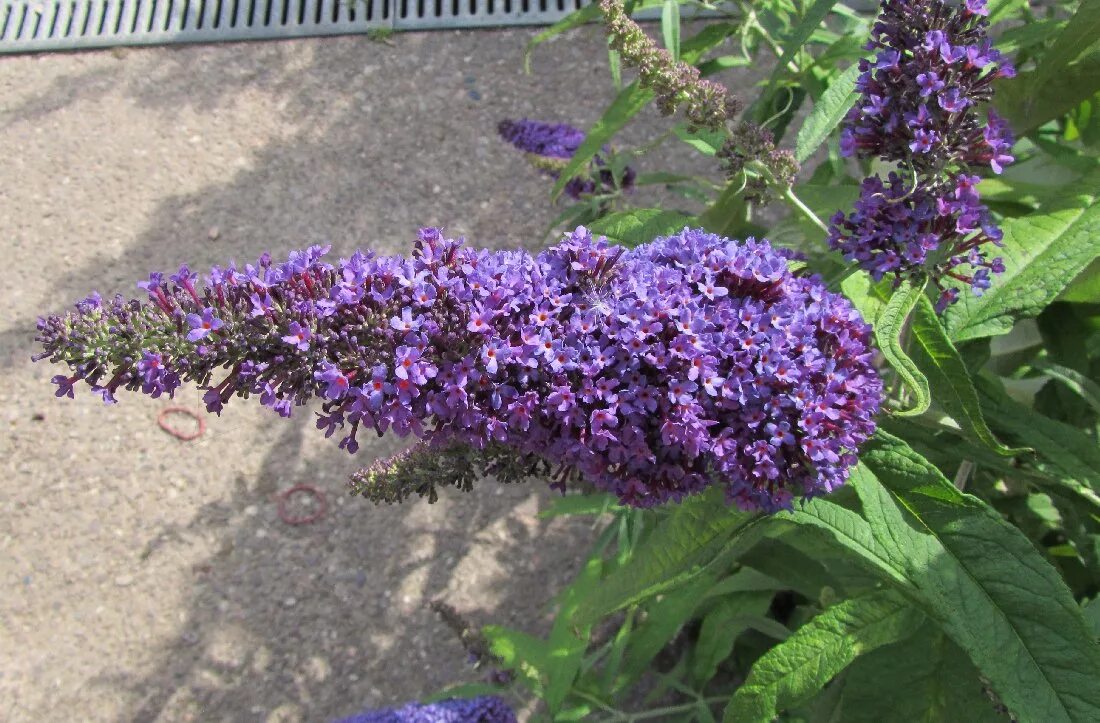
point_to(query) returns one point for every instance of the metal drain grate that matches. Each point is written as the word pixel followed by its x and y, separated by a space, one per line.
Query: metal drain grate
pixel 35 25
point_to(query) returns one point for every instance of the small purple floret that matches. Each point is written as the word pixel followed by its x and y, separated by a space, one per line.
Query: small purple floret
pixel 202 324
pixel 483 709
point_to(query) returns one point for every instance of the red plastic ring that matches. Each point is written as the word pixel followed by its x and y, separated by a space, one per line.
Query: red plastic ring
pixel 317 514
pixel 186 437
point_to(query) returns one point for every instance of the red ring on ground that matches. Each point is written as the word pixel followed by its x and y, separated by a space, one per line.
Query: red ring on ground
pixel 186 437
pixel 284 496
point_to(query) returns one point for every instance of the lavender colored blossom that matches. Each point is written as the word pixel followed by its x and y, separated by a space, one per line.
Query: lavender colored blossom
pixel 907 231
pixel 921 94
pixel 550 146
pixel 483 709
pixel 653 373
pixel 920 106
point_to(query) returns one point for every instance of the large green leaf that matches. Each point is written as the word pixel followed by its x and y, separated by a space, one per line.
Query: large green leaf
pixel 568 642
pixel 678 549
pixel 526 655
pixel 828 111
pixel 1028 101
pixel 721 627
pixel 888 330
pixel 641 225
pixel 796 669
pixel 925 677
pixel 1043 252
pixel 670 27
pixel 949 378
pixel 664 618
pixel 1082 30
pixel 988 587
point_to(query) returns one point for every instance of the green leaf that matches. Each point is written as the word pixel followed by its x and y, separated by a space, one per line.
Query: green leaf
pixel 925 677
pixel 1081 385
pixel 1027 102
pixel 626 105
pixel 1068 455
pixel 1092 616
pixel 792 44
pixel 947 374
pixel 525 654
pixel 705 141
pixel 888 329
pixel 855 534
pixel 796 669
pixel 1002 9
pixel 720 629
pixel 728 214
pixel 722 62
pixel 828 111
pixel 587 14
pixel 1021 37
pixel 676 551
pixel 1043 252
pixel 664 618
pixel 670 27
pixel 1086 288
pixel 640 226
pixel 1080 32
pixel 986 584
pixel 568 641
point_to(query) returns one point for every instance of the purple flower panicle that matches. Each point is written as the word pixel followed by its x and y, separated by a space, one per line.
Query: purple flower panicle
pixel 654 373
pixel 483 709
pixel 901 230
pixel 922 93
pixel 921 106
pixel 550 146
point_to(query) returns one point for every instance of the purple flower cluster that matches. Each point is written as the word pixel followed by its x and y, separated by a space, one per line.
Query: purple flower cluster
pixel 549 146
pixel 483 709
pixel 896 227
pixel 919 106
pixel 654 372
pixel 933 68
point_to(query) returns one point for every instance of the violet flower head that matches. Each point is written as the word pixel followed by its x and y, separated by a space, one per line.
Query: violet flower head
pixel 905 231
pixel 552 140
pixel 920 107
pixel 922 93
pixel 653 373
pixel 550 146
pixel 483 709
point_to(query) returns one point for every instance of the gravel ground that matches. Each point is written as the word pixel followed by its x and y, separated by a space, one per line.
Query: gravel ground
pixel 146 578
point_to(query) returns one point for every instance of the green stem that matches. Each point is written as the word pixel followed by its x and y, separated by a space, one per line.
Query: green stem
pixel 804 209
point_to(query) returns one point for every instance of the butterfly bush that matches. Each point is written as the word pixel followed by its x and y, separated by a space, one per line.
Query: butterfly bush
pixel 653 372
pixel 549 146
pixel 921 106
pixel 483 709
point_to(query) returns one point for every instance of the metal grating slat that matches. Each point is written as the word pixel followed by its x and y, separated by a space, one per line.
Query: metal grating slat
pixel 38 25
